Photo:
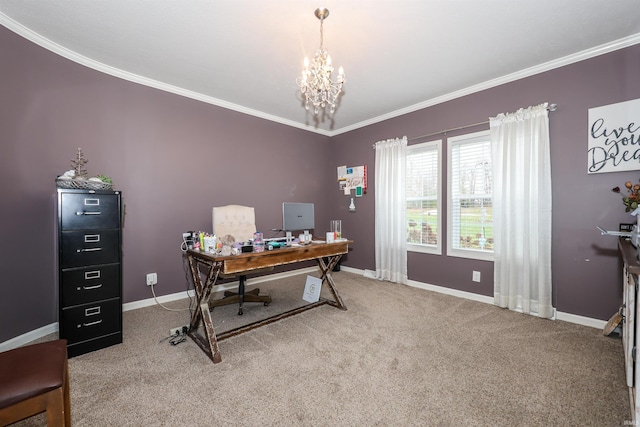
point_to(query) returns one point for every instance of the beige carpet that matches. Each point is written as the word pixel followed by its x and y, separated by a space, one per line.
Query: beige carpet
pixel 399 356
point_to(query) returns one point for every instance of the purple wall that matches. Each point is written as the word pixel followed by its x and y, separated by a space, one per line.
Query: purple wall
pixel 586 265
pixel 174 158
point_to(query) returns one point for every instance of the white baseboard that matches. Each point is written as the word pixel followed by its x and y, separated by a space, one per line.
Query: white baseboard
pixel 152 301
pixel 218 288
pixel 581 320
pixel 454 292
pixel 53 327
pixel 29 337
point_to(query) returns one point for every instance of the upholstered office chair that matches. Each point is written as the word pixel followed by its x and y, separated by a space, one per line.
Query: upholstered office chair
pixel 240 222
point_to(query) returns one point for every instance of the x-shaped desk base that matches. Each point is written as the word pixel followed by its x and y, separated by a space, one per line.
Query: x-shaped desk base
pixel 207 265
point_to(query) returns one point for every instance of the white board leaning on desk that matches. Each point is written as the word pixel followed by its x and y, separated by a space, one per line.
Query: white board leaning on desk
pixel 312 289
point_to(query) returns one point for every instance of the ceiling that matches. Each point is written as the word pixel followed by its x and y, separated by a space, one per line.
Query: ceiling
pixel 398 55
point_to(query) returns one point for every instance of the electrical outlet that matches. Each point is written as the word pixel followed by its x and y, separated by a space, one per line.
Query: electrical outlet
pixel 475 276
pixel 152 279
pixel 177 331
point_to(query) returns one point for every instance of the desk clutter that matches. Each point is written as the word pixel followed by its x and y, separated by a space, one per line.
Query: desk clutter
pixel 226 245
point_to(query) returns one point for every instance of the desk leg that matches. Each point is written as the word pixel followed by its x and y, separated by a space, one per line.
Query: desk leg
pixel 325 270
pixel 208 343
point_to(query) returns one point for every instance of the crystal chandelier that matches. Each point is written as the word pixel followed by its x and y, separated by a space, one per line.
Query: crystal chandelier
pixel 315 82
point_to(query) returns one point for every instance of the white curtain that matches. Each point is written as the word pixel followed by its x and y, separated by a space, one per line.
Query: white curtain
pixel 390 210
pixel 522 211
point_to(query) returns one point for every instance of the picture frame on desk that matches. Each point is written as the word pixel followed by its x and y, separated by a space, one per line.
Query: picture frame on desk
pixel 626 226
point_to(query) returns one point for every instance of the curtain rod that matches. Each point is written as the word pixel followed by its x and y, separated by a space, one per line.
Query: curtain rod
pixel 551 107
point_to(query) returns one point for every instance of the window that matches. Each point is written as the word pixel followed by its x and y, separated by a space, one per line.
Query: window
pixel 423 197
pixel 470 188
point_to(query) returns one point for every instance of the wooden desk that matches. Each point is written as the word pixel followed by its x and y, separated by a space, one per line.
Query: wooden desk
pixel 209 266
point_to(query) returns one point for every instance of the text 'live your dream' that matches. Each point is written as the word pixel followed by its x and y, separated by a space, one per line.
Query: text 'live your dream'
pixel 614 146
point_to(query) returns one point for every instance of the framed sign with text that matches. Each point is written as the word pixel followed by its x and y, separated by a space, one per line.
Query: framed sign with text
pixel 614 137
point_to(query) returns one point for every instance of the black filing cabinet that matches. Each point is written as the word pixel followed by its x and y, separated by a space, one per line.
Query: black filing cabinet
pixel 90 269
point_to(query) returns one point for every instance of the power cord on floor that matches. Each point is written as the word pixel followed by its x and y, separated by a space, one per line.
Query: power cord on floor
pixel 178 337
pixel 165 307
pixel 191 300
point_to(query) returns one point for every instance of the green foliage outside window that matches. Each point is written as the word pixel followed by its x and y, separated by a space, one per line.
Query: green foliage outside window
pixel 422 222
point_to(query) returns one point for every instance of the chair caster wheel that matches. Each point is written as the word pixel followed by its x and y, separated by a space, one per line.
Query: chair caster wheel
pixel 240 312
pixel 266 304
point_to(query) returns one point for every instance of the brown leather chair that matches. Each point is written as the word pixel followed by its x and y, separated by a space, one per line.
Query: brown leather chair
pixel 239 222
pixel 35 379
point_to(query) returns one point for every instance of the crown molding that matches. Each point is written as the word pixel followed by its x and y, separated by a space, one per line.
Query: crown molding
pixel 41 41
pixel 541 68
pixel 116 72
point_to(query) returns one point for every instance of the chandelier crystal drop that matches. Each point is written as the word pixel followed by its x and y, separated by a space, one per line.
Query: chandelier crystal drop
pixel 316 82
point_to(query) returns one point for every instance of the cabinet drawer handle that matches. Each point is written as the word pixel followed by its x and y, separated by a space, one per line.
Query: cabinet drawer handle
pixel 88 275
pixel 88 213
pixel 88 250
pixel 92 311
pixel 88 288
pixel 97 322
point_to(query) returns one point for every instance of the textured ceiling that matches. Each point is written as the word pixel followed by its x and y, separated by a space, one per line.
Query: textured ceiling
pixel 398 56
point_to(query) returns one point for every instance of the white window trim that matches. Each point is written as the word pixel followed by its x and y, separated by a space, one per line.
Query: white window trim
pixel 461 253
pixel 437 249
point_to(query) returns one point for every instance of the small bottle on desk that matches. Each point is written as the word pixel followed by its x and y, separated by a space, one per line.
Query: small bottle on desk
pixel 258 242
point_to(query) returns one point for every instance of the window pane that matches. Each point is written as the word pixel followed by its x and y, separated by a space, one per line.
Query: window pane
pixel 423 194
pixel 476 224
pixel 422 174
pixel 471 188
pixel 422 222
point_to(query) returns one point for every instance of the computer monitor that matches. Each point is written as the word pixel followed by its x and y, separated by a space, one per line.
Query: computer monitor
pixel 298 216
